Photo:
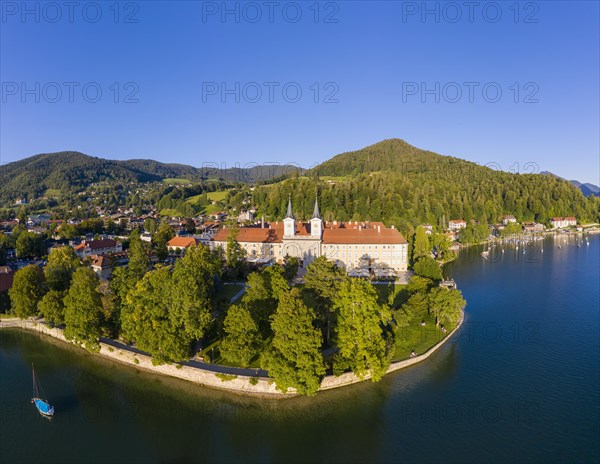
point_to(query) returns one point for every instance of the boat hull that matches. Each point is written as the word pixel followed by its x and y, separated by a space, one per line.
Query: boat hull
pixel 43 408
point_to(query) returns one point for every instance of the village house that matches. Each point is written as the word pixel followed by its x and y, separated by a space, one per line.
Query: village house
pixel 558 222
pixel 457 224
pixel 497 229
pixel 38 219
pixel 146 237
pixel 506 220
pixel 532 227
pixel 246 216
pixel 428 228
pixel 97 247
pixel 181 243
pixel 102 266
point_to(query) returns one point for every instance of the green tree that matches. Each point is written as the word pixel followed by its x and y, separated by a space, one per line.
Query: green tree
pixel 189 225
pixel 429 268
pixel 160 239
pixel 290 267
pixel 421 247
pixel 3 247
pixel 417 306
pixel 138 259
pixel 30 245
pixel 193 290
pixel 235 257
pixel 445 305
pixel 441 245
pixel 147 320
pixel 466 236
pixel 263 290
pixel 258 287
pixel 242 338
pixel 62 263
pixel 323 279
pixel 512 228
pixel 150 226
pixel 52 307
pixel 418 284
pixel 295 359
pixel 83 310
pixel 277 281
pixel 360 335
pixel 27 291
pixel 22 215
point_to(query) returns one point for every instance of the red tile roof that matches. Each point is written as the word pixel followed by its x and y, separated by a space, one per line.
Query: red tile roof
pixel 363 236
pixel 101 261
pixel 96 244
pixel 183 242
pixel 333 233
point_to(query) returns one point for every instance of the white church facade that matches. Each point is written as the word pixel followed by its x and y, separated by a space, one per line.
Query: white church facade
pixel 353 245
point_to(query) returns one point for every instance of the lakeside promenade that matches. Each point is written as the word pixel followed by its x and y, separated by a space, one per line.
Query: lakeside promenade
pixel 254 382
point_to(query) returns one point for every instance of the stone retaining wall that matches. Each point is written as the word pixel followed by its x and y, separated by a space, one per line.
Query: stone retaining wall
pixel 264 387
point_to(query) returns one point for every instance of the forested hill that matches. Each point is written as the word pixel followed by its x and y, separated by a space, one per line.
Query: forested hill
pixel 388 155
pixel 31 177
pixel 399 184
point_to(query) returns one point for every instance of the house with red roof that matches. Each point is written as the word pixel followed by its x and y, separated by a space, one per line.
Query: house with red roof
pixel 97 247
pixel 181 243
pixel 457 224
pixel 102 265
pixel 558 222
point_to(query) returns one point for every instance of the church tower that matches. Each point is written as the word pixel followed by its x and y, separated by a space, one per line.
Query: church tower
pixel 316 223
pixel 289 223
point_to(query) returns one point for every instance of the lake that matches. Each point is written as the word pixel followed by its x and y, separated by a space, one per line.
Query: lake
pixel 518 382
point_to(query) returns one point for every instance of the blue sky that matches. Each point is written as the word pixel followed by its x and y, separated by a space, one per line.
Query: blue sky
pixel 170 74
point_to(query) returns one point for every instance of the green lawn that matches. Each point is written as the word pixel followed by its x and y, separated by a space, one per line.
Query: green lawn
pixel 228 291
pixel 418 338
pixel 213 196
pixel 384 291
pixel 213 209
pixel 217 196
pixel 169 212
pixel 53 193
pixel 176 180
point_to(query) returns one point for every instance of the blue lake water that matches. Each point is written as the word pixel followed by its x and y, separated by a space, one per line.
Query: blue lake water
pixel 519 382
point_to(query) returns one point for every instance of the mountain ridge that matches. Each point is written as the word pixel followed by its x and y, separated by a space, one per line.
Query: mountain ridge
pixel 586 188
pixel 31 177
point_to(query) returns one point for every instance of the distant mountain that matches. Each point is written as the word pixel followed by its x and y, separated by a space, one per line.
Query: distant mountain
pixel 587 189
pixel 31 177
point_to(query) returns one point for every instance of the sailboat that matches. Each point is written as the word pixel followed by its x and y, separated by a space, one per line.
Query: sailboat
pixel 485 253
pixel 39 398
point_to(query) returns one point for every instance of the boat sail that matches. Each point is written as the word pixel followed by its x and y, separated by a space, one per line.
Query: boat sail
pixel 39 398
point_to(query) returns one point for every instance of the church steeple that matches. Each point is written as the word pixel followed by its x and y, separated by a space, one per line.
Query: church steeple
pixel 290 213
pixel 316 214
pixel 316 223
pixel 289 222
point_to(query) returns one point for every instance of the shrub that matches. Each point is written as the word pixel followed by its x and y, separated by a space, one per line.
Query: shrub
pixel 226 377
